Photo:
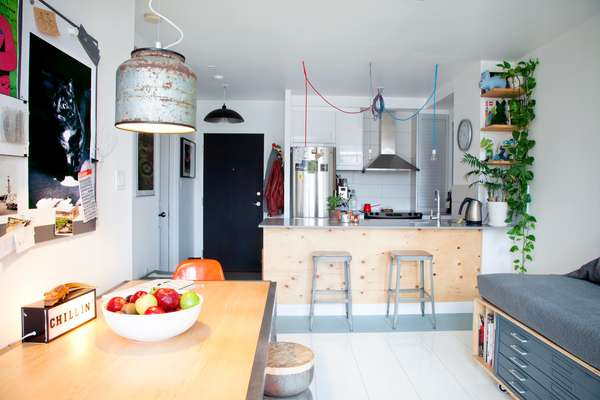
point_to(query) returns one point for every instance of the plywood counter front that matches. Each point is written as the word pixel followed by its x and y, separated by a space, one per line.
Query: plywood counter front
pixel 221 357
pixel 287 260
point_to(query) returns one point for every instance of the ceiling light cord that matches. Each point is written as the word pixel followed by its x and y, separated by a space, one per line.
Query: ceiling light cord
pixel 309 83
pixel 175 43
pixel 431 96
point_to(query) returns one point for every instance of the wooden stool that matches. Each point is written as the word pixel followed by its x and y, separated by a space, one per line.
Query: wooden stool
pixel 332 256
pixel 397 256
pixel 289 371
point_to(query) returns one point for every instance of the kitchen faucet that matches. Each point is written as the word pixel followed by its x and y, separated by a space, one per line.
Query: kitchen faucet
pixel 436 194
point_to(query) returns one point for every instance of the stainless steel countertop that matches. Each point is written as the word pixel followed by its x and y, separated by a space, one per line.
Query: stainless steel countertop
pixel 324 223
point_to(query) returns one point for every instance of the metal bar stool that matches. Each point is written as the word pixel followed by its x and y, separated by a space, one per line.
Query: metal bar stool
pixel 396 257
pixel 332 256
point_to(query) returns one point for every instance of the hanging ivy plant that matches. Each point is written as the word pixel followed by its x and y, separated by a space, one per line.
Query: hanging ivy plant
pixel 519 174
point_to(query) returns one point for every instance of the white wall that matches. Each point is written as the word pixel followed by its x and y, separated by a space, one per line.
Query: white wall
pixel 566 187
pixel 103 257
pixel 264 117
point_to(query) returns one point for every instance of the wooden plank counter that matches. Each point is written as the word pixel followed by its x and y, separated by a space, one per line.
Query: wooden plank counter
pixel 221 357
pixel 287 260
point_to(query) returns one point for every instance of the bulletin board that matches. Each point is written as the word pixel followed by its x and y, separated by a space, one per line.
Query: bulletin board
pixel 48 79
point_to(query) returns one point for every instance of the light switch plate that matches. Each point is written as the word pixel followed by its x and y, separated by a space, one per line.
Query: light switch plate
pixel 119 179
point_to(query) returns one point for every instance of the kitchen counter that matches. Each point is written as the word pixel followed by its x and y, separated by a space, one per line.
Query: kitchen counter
pixel 222 356
pixel 324 223
pixel 288 245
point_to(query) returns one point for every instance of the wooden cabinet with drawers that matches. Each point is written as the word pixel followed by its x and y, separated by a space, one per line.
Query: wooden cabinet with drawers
pixel 530 366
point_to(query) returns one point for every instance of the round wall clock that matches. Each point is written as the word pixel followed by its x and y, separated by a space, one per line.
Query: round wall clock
pixel 464 135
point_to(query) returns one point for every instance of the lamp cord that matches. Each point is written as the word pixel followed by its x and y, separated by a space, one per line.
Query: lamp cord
pixel 175 43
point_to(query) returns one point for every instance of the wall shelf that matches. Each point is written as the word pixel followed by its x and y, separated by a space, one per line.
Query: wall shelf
pixel 500 162
pixel 503 93
pixel 499 128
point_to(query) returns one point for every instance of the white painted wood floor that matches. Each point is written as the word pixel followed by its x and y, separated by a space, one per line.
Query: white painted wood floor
pixel 396 365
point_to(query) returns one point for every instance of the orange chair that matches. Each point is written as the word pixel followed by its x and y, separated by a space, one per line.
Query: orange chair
pixel 199 269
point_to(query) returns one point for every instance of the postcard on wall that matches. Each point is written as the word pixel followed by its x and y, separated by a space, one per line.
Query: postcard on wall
pixel 12 171
pixel 65 221
pixel 60 91
pixel 87 192
pixel 13 127
pixel 10 26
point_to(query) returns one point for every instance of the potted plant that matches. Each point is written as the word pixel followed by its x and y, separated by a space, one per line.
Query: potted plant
pixel 333 203
pixel 492 179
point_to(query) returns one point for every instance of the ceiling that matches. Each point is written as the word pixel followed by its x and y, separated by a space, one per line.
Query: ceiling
pixel 258 45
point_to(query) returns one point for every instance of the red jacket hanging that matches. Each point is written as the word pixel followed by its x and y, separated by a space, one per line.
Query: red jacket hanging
pixel 274 189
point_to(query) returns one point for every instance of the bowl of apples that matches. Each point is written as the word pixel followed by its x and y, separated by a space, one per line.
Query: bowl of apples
pixel 150 317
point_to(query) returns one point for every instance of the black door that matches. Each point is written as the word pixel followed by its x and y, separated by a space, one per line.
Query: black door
pixel 233 185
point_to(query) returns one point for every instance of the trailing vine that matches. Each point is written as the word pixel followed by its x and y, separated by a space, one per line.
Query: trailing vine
pixel 512 183
pixel 519 174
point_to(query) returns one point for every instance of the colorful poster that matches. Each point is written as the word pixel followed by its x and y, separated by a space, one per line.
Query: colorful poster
pixel 59 122
pixel 9 47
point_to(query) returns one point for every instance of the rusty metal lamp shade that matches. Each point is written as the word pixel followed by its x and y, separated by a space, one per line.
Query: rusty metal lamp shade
pixel 156 93
pixel 224 114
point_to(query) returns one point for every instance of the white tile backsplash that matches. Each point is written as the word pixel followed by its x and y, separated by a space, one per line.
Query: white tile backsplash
pixel 390 189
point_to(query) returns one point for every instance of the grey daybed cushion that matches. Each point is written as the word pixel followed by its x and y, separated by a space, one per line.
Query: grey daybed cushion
pixel 563 309
pixel 589 271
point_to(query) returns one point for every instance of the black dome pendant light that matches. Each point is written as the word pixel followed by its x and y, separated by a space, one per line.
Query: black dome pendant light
pixel 224 114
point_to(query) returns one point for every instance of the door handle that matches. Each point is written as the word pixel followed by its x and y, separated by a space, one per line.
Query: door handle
pixel 257 204
pixel 516 336
pixel 162 214
pixel 518 350
pixel 258 193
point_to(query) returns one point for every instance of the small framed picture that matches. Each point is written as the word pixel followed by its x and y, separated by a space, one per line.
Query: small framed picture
pixel 188 158
pixel 145 165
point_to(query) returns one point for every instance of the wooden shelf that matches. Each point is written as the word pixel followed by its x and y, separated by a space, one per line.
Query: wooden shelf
pixel 500 162
pixel 507 93
pixel 499 128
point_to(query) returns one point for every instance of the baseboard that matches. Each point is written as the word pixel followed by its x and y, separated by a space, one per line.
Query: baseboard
pixel 456 307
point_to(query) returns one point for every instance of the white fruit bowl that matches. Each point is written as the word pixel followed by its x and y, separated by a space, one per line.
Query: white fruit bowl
pixel 153 327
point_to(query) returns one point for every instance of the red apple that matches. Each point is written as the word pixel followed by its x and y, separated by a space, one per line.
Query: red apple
pixel 115 304
pixel 168 299
pixel 154 310
pixel 136 296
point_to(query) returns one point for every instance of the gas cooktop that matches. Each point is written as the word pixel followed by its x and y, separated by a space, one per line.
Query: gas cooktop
pixel 394 215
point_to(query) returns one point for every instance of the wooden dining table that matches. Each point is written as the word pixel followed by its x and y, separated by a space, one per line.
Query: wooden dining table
pixel 222 357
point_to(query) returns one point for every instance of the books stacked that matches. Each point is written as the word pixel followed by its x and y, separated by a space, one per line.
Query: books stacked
pixel 487 338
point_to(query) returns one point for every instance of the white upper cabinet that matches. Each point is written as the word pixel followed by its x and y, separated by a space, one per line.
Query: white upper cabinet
pixel 349 141
pixel 331 128
pixel 321 126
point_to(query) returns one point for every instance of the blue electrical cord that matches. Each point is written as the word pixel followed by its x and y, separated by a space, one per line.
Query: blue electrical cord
pixel 431 96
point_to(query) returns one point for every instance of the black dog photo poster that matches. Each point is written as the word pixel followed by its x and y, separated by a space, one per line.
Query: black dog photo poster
pixel 60 90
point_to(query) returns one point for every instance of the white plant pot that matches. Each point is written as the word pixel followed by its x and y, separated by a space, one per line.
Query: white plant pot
pixel 497 213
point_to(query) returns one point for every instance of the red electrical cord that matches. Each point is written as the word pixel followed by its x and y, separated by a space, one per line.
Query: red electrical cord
pixel 309 83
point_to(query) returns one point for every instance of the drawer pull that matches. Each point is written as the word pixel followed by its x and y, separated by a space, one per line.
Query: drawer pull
pixel 514 385
pixel 517 362
pixel 514 373
pixel 518 349
pixel 520 339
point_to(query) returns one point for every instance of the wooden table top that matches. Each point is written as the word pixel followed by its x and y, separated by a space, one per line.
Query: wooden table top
pixel 212 360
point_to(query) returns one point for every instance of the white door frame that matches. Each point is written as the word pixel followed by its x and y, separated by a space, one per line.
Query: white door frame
pixel 172 142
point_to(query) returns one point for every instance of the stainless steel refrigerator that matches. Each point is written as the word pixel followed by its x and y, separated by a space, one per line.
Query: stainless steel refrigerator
pixel 313 180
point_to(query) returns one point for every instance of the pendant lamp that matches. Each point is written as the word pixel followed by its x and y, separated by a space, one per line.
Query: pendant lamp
pixel 156 91
pixel 224 114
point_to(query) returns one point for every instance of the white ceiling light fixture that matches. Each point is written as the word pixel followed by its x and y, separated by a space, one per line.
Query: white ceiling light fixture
pixel 156 91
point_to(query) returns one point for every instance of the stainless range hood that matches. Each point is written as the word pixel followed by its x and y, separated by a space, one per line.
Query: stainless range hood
pixel 388 159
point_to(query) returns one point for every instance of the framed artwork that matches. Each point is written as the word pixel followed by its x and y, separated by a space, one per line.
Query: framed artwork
pixel 60 92
pixel 10 47
pixel 188 158
pixel 145 164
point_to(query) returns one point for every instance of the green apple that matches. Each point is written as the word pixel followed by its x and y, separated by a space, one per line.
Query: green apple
pixel 144 303
pixel 189 299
